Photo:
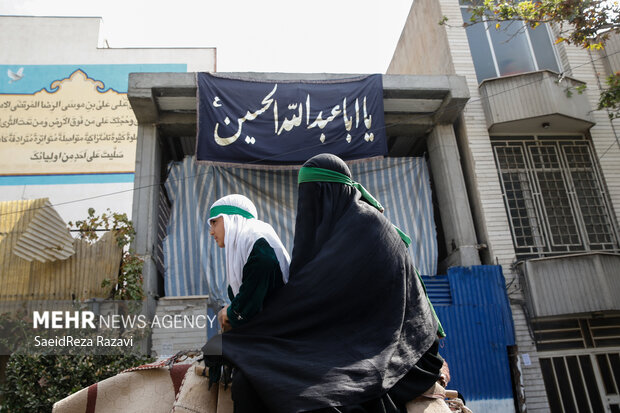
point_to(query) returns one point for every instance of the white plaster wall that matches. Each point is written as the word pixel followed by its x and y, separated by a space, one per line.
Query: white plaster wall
pixel 74 40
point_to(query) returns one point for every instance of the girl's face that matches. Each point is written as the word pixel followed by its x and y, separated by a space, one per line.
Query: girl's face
pixel 216 230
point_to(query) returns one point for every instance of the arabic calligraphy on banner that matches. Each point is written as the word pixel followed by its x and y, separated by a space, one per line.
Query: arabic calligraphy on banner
pixel 256 122
pixel 73 129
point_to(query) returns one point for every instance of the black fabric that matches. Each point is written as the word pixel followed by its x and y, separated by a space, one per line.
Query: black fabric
pixel 417 381
pixel 245 399
pixel 262 276
pixel 353 319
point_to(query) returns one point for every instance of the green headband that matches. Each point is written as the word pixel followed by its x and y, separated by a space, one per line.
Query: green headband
pixel 229 210
pixel 312 174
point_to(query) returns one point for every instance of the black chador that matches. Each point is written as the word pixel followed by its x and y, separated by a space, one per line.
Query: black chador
pixel 353 328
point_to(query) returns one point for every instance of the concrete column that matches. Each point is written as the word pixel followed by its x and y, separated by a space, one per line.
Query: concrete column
pixel 145 207
pixel 456 216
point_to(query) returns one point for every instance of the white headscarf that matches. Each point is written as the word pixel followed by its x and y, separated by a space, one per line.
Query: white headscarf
pixel 240 234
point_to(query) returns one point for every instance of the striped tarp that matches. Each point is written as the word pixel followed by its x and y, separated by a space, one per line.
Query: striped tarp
pixel 195 265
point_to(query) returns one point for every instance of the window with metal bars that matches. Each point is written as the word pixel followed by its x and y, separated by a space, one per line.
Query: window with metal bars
pixel 572 385
pixel 554 196
pixel 577 333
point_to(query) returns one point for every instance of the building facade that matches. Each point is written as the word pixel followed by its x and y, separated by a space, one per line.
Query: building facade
pixel 67 131
pixel 541 171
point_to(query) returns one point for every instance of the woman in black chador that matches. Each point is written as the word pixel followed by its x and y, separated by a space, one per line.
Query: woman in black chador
pixel 353 329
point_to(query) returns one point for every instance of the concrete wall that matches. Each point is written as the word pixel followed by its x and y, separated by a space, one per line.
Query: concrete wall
pixel 189 334
pixel 423 45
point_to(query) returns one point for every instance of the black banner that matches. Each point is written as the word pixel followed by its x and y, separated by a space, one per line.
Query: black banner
pixel 283 123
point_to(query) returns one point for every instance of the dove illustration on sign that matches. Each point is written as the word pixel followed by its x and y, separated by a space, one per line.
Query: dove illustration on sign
pixel 15 76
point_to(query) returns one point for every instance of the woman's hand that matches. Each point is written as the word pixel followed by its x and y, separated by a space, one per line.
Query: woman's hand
pixel 222 318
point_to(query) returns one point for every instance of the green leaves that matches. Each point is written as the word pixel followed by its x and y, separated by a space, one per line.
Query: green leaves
pixel 120 224
pixel 128 286
pixel 588 21
pixel 611 96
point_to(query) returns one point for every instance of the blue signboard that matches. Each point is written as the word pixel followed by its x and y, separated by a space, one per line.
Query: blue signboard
pixel 29 79
pixel 287 122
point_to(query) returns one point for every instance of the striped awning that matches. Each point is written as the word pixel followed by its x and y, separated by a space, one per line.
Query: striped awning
pixel 194 265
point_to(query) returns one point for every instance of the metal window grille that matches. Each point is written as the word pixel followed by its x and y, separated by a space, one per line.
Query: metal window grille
pixel 554 196
pixel 580 363
pixel 571 384
pixel 576 333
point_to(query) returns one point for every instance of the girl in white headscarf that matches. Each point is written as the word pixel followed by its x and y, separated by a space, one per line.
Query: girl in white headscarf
pixel 257 264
